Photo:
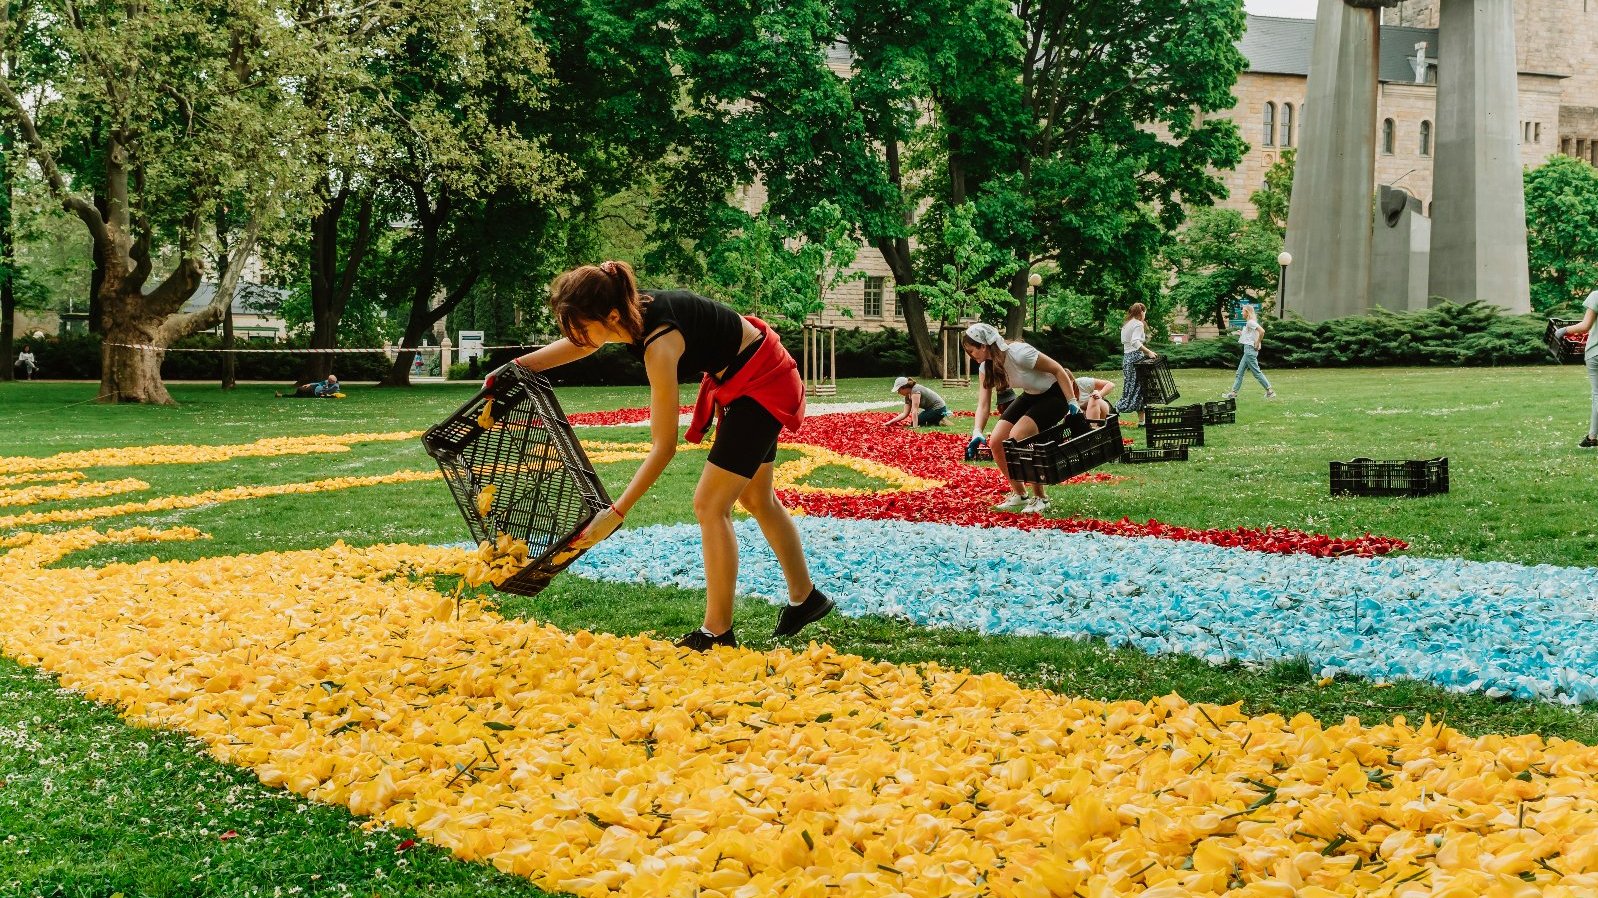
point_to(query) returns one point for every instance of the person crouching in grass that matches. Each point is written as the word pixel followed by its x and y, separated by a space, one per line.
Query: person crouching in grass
pixel 922 407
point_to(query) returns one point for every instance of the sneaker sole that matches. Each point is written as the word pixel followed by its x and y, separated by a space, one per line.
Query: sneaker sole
pixel 826 609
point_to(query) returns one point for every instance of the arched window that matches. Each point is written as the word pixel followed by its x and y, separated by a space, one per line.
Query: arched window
pixel 1425 138
pixel 1389 136
pixel 1287 124
pixel 1270 124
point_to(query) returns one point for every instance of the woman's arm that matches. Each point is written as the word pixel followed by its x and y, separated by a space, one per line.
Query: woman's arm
pixel 560 352
pixel 984 405
pixel 913 412
pixel 660 363
pixel 1583 327
pixel 1142 342
pixel 899 417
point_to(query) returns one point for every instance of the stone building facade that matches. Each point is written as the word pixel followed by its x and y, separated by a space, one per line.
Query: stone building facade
pixel 1558 87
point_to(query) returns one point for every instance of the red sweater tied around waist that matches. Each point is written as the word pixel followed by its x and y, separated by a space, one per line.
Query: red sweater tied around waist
pixel 770 377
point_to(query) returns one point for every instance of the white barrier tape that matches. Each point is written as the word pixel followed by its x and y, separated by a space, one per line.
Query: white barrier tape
pixel 391 350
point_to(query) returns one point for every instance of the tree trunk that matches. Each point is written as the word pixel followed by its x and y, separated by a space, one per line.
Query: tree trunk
pixel 420 322
pixel 128 374
pixel 8 260
pixel 1015 320
pixel 332 285
pixel 97 273
pixel 230 372
pixel 897 254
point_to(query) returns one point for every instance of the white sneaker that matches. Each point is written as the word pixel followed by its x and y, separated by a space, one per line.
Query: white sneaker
pixel 1035 505
pixel 1228 395
pixel 1012 502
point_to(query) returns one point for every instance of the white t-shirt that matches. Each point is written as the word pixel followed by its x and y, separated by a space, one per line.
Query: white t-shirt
pixel 1250 332
pixel 1084 388
pixel 1020 368
pixel 1132 335
pixel 1591 304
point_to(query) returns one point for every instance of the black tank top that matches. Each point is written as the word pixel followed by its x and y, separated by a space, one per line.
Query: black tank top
pixel 711 332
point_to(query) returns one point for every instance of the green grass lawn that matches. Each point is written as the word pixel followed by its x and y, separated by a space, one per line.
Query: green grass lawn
pixel 91 806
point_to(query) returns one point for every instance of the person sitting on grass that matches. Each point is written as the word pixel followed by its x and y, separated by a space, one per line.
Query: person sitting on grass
pixel 1047 397
pixel 26 365
pixel 1090 393
pixel 320 389
pixel 745 375
pixel 922 407
pixel 1584 326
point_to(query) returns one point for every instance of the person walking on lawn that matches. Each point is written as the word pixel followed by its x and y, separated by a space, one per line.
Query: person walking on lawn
pixel 1249 336
pixel 1047 397
pixel 1134 349
pixel 1584 326
pixel 746 378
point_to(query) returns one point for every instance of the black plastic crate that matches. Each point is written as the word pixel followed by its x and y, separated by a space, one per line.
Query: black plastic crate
pixel 1175 437
pixel 1144 456
pixel 1159 387
pixel 1165 416
pixel 1222 412
pixel 1364 477
pixel 544 490
pixel 1054 457
pixel 1565 349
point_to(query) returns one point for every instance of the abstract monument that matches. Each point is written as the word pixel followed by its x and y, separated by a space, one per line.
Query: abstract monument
pixel 1477 236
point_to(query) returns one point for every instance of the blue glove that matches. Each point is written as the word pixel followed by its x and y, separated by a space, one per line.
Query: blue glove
pixel 971 447
pixel 1559 333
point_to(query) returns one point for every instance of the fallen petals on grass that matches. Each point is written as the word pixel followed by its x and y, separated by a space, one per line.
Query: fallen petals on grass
pixel 605 765
pixel 62 492
pixel 969 491
pixel 1499 628
pixel 192 455
pixel 208 497
pixel 53 477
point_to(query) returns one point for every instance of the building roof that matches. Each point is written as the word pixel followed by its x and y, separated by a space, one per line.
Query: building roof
pixel 1283 47
pixel 248 299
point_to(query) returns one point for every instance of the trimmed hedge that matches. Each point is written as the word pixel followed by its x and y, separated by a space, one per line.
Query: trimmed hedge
pixel 1475 335
pixel 77 357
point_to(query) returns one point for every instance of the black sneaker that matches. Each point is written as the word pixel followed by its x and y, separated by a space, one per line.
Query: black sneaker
pixel 794 618
pixel 700 641
pixel 1587 443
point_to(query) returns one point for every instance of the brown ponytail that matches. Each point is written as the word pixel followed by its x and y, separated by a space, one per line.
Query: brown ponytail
pixel 590 293
pixel 1138 311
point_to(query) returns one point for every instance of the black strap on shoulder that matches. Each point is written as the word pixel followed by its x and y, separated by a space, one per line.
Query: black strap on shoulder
pixel 663 331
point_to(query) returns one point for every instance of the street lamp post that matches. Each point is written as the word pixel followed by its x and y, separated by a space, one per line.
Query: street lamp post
pixel 1283 259
pixel 1033 282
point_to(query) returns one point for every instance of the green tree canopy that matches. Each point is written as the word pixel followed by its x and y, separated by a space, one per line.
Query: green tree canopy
pixel 1562 232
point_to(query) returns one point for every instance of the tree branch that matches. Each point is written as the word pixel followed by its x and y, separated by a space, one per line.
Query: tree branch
pixel 70 201
pixel 178 326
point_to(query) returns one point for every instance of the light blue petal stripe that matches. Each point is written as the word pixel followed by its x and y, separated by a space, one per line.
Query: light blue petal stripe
pixel 1501 628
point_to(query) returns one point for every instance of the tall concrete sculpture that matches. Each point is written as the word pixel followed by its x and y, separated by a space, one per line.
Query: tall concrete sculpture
pixel 1329 221
pixel 1478 231
pixel 1479 207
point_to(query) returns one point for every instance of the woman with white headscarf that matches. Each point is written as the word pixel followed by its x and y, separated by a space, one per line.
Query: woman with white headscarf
pixel 1047 396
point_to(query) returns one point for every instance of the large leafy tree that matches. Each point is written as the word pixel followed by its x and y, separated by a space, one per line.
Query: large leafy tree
pixel 1562 232
pixel 1219 259
pixel 185 104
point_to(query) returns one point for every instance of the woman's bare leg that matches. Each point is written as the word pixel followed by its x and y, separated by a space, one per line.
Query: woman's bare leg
pixel 718 489
pixel 1026 427
pixel 759 498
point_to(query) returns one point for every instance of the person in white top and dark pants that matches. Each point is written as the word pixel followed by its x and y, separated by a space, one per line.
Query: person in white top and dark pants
pixel 1134 349
pixel 1249 337
pixel 1590 441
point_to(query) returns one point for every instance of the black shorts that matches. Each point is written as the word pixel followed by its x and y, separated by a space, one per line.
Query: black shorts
pixel 1046 409
pixel 746 438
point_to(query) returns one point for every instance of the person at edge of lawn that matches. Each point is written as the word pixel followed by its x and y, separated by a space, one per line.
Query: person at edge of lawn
pixel 1090 393
pixel 1584 326
pixel 26 364
pixel 747 379
pixel 1249 336
pixel 922 406
pixel 316 389
pixel 1047 397
pixel 1134 348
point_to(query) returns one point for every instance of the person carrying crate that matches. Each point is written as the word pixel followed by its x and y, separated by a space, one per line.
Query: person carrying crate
pixel 745 375
pixel 1590 304
pixel 1047 396
pixel 1134 348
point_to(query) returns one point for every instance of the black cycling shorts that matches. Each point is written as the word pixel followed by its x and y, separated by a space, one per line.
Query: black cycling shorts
pixel 1046 409
pixel 746 438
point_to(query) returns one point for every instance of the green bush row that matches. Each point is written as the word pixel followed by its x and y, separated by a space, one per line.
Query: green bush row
pixel 1476 334
pixel 77 357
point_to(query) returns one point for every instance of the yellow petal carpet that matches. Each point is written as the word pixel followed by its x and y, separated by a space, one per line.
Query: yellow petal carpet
pixel 188 455
pixel 598 764
pixel 71 489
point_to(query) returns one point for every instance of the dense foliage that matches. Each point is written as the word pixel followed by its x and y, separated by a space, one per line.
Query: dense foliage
pixel 1476 334
pixel 1562 232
